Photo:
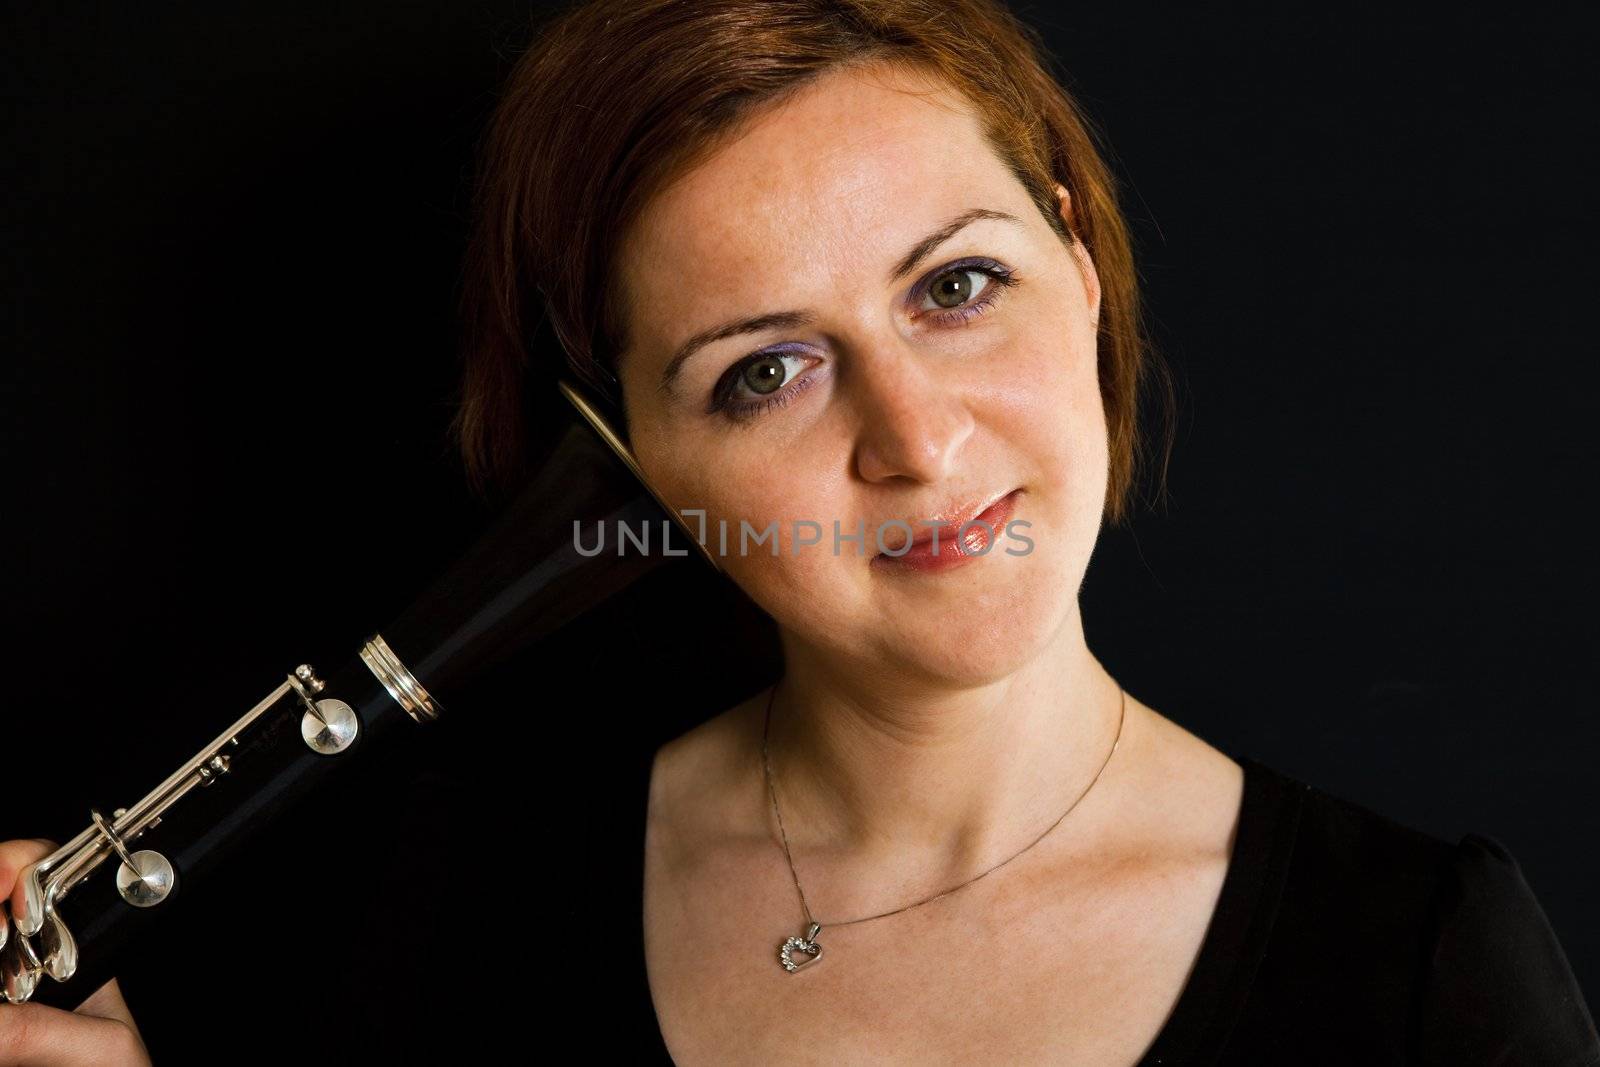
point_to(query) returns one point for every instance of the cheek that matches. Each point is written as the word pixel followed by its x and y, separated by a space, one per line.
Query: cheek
pixel 1048 394
pixel 1051 419
pixel 806 592
pixel 773 493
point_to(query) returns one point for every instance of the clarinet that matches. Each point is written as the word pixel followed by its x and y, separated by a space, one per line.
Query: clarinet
pixel 527 577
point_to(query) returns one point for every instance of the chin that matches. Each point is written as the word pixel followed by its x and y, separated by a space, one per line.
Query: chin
pixel 983 641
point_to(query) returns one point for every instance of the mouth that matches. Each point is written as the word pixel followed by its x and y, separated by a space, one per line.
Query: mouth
pixel 954 545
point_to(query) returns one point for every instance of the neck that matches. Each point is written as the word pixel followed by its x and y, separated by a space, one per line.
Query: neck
pixel 922 780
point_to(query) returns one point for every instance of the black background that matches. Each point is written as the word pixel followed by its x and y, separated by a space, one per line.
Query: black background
pixel 231 243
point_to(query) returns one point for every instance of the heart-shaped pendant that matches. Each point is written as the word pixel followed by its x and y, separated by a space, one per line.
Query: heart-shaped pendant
pixel 807 944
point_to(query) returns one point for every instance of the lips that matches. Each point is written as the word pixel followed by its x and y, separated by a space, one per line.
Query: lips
pixel 950 520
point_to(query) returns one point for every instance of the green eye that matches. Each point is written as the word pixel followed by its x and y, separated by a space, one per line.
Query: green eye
pixel 949 296
pixel 764 375
pixel 759 381
pixel 952 288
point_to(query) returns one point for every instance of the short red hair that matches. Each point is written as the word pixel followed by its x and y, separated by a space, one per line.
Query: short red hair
pixel 615 98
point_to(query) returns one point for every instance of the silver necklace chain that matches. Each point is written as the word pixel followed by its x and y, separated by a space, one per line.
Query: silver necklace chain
pixel 808 944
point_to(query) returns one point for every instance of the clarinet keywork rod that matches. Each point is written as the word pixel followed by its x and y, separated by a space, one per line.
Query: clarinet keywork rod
pixel 523 580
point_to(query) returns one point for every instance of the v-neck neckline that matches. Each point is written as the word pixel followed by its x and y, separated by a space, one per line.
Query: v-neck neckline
pixel 1204 1014
pixel 1241 923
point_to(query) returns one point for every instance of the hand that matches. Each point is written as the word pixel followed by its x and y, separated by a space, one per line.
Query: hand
pixel 100 1032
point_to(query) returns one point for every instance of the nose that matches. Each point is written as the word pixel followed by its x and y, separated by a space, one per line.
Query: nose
pixel 913 419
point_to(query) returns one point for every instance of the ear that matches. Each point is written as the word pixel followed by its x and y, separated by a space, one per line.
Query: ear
pixel 1091 278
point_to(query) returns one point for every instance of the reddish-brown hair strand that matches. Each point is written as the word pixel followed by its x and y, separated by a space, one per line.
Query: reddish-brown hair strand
pixel 617 98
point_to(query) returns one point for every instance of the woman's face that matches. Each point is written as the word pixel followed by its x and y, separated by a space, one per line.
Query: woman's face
pixel 897 396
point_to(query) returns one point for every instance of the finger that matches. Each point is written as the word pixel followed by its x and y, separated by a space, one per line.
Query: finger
pixel 107 1003
pixel 37 1035
pixel 15 855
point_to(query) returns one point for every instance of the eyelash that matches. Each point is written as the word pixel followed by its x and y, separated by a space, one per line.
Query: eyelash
pixel 1000 278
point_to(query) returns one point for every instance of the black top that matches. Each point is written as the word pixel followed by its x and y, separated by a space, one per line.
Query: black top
pixel 1340 936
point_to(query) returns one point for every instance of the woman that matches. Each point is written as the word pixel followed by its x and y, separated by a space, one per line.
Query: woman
pixel 862 263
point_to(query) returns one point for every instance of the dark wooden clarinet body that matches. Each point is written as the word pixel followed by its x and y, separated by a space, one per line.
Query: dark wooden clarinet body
pixel 546 560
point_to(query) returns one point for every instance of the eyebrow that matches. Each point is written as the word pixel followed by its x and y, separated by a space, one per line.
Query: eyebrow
pixel 791 319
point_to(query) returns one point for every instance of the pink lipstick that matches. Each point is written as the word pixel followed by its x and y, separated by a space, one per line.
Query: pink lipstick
pixel 953 550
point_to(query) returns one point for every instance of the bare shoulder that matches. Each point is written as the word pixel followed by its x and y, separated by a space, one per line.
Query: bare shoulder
pixel 1196 788
pixel 694 776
